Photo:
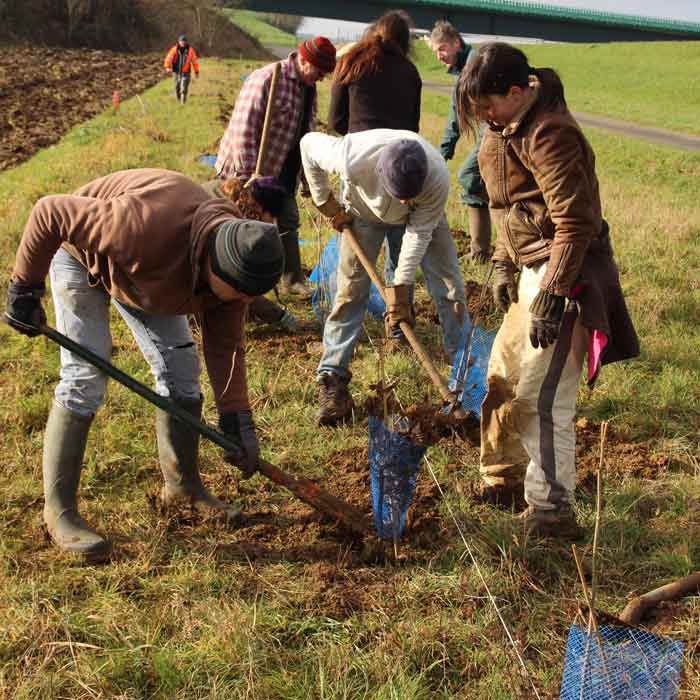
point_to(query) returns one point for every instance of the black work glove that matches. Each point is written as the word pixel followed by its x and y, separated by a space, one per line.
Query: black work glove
pixel 546 312
pixel 505 288
pixel 24 311
pixel 240 430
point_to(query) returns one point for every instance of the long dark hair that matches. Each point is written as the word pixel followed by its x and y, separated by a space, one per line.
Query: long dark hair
pixel 392 31
pixel 493 71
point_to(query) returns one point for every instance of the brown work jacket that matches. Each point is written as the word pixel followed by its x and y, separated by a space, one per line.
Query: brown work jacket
pixel 142 236
pixel 543 194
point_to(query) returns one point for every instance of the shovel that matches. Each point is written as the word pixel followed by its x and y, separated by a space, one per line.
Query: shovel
pixel 304 489
pixel 407 329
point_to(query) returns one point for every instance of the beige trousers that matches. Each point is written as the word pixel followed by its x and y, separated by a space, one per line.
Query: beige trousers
pixel 527 416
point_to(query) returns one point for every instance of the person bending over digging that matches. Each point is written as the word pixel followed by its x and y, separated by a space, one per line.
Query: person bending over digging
pixel 391 180
pixel 540 175
pixel 293 114
pixel 261 201
pixel 155 245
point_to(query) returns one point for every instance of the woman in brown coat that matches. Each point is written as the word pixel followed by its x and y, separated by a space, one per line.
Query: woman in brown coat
pixel 539 171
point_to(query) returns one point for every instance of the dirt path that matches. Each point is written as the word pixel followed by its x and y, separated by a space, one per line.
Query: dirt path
pixel 645 133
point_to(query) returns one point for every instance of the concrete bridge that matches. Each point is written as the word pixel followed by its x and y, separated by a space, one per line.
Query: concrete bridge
pixel 499 17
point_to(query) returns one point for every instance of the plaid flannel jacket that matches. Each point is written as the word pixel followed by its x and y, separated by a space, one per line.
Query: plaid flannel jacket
pixel 238 150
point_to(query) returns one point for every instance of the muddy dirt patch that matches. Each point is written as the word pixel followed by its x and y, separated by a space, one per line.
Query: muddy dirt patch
pixel 44 92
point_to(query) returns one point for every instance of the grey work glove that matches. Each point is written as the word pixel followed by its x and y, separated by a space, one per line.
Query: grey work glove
pixel 546 312
pixel 505 288
pixel 398 307
pixel 24 311
pixel 240 430
pixel 339 218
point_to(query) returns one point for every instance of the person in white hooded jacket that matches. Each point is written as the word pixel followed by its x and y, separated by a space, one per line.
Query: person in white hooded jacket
pixel 389 179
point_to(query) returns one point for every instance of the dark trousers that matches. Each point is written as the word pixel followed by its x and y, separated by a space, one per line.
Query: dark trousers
pixel 182 85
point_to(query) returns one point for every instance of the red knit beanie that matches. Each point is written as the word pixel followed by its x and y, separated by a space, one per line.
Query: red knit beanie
pixel 319 52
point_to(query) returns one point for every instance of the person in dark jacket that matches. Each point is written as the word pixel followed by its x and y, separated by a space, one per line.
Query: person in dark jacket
pixel 543 191
pixel 181 60
pixel 376 86
pixel 450 49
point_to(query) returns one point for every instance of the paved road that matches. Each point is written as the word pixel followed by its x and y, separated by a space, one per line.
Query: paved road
pixel 646 133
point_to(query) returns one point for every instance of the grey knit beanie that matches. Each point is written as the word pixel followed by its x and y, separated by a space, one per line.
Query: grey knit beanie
pixel 248 255
pixel 402 168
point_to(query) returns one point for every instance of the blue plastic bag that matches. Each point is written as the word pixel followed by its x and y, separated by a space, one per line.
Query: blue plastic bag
pixel 324 275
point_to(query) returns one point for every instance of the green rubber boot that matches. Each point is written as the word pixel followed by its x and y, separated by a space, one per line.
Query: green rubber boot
pixel 178 447
pixel 64 446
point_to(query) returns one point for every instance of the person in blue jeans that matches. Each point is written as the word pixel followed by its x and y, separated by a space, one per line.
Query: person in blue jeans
pixel 450 49
pixel 391 179
pixel 153 244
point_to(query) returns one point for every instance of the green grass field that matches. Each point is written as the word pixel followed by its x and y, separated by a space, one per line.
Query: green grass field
pixel 265 33
pixel 655 84
pixel 285 608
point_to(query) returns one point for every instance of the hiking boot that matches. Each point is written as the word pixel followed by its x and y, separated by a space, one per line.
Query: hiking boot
pixel 557 522
pixel 334 401
pixel 507 497
pixel 178 447
pixel 64 446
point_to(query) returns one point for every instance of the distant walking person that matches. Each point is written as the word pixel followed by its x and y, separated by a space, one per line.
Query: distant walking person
pixel 450 49
pixel 180 61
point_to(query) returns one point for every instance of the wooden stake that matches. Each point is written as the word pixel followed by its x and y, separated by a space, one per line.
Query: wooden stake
pixel 596 531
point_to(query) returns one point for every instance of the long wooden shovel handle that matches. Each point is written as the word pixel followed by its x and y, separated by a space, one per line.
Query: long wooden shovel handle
pixel 408 331
pixel 637 607
pixel 262 150
pixel 304 489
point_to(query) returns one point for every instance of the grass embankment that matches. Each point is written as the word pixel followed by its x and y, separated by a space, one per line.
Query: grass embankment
pixel 283 609
pixel 652 84
pixel 265 33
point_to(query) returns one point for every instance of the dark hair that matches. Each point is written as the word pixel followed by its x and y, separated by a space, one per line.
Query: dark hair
pixel 495 68
pixel 392 31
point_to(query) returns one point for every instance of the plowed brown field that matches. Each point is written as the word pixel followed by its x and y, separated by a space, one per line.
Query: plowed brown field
pixel 46 91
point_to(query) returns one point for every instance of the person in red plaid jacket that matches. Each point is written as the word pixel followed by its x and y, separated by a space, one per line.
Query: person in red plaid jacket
pixel 293 115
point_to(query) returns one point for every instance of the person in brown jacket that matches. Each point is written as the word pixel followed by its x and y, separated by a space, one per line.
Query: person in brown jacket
pixel 539 171
pixel 155 245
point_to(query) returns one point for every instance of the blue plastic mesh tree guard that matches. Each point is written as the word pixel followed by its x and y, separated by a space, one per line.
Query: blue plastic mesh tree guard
pixel 324 275
pixel 631 665
pixel 393 465
pixel 468 377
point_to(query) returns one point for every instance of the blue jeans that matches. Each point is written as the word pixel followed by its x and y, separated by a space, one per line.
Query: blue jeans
pixel 443 279
pixel 82 313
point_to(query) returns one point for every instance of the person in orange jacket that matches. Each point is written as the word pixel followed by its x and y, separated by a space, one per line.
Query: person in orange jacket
pixel 180 60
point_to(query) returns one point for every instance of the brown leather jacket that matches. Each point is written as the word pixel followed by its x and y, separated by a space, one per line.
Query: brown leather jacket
pixel 543 191
pixel 543 194
pixel 142 235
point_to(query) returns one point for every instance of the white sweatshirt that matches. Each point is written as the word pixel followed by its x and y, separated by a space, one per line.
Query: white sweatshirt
pixel 354 158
